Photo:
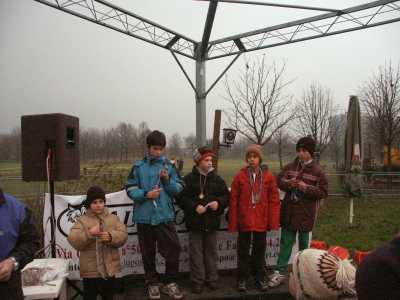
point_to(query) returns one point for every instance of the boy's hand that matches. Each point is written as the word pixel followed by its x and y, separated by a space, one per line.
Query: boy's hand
pixel 293 182
pixel 154 193
pixel 200 209
pixel 214 205
pixel 302 186
pixel 164 175
pixel 95 230
pixel 105 236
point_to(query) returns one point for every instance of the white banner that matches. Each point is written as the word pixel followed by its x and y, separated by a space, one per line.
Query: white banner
pixel 68 209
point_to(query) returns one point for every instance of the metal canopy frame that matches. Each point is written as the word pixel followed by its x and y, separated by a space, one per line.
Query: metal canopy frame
pixel 331 23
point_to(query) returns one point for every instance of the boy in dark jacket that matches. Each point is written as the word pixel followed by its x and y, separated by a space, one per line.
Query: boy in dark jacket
pixel 305 185
pixel 203 201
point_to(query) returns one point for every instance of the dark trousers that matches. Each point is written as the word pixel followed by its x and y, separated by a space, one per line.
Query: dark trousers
pixel 94 286
pixel 254 263
pixel 12 289
pixel 203 256
pixel 165 237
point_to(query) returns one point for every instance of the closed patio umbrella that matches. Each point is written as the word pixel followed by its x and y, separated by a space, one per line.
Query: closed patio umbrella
pixel 353 153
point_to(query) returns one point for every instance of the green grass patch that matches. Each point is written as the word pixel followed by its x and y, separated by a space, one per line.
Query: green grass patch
pixel 374 223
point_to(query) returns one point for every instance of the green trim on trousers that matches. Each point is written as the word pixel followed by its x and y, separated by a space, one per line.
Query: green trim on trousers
pixel 288 239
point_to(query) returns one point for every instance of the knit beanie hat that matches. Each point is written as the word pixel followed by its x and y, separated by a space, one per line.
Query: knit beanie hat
pixel 257 149
pixel 321 275
pixel 307 143
pixel 94 193
pixel 200 153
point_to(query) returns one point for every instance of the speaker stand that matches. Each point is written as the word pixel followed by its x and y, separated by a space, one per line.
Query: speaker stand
pixel 52 223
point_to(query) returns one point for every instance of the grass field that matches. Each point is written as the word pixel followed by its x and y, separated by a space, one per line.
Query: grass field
pixel 375 221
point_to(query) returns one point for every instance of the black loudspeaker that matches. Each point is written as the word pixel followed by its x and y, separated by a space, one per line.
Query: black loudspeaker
pixel 50 147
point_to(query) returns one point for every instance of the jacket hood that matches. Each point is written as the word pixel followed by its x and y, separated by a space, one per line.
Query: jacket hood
pixel 152 159
pixel 308 166
pixel 102 215
pixel 263 168
pixel 195 170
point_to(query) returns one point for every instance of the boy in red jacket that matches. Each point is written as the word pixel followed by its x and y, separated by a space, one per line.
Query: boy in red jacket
pixel 254 208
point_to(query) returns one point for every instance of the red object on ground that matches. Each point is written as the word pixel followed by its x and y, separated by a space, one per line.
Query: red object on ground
pixel 359 256
pixel 340 252
pixel 318 245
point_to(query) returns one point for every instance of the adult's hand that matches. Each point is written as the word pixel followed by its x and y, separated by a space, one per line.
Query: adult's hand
pixel 6 267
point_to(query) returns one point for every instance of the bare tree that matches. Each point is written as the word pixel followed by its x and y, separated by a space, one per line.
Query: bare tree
pixel 83 143
pixel 337 140
pixel 239 147
pixel 175 144
pixel 190 142
pixel 259 106
pixel 142 132
pixel 87 143
pixel 108 143
pixel 314 116
pixel 114 145
pixel 6 147
pixel 16 139
pixel 126 136
pixel 283 144
pixel 380 97
pixel 89 140
pixel 102 148
pixel 10 145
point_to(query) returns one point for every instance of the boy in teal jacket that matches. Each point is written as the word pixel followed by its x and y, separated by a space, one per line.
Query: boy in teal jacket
pixel 152 184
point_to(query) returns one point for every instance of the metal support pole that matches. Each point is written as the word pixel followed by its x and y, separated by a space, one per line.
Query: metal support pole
pixel 184 72
pixel 222 74
pixel 200 100
pixel 52 221
pixel 351 212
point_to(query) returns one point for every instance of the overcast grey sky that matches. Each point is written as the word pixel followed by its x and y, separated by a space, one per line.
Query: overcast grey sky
pixel 54 62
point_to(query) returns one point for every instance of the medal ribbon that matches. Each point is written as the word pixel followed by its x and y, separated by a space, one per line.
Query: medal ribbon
pixel 252 184
pixel 201 196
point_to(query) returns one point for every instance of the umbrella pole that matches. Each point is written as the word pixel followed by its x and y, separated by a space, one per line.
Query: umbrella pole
pixel 351 211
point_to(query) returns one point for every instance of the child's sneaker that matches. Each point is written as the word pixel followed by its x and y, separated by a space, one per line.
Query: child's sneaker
pixel 196 288
pixel 154 291
pixel 242 286
pixel 276 279
pixel 171 290
pixel 213 285
pixel 262 285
